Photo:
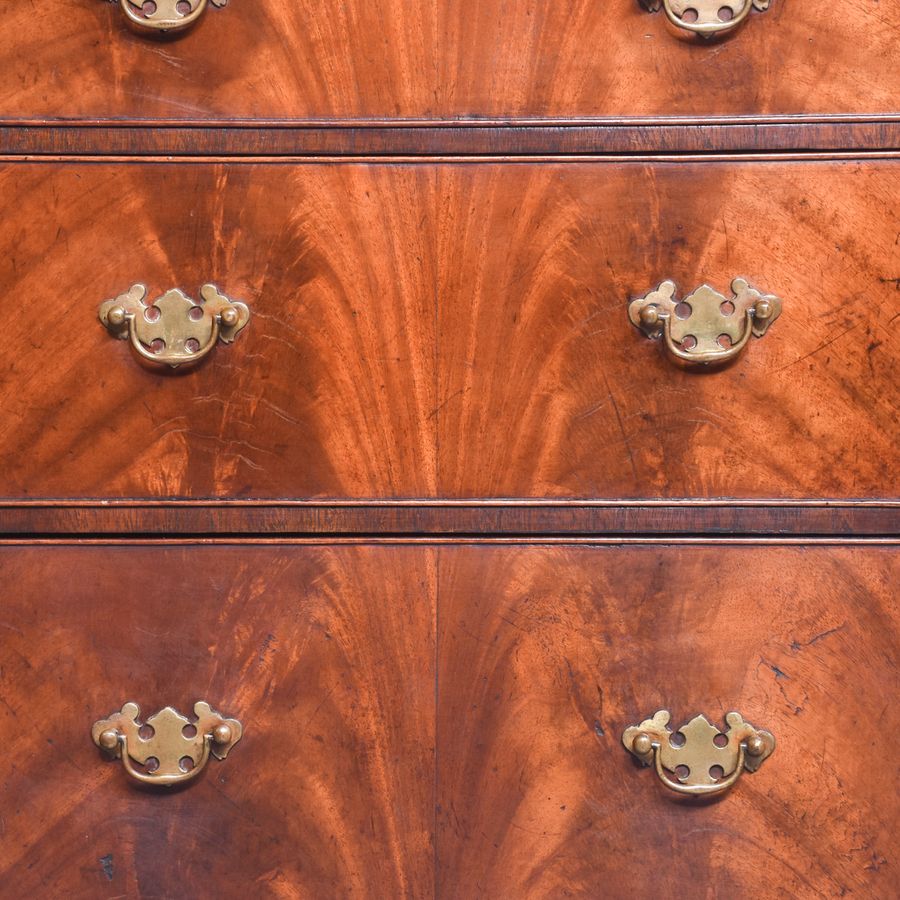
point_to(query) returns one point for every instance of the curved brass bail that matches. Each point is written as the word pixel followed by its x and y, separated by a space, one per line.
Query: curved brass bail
pixel 709 357
pixel 706 25
pixel 164 780
pixel 166 17
pixel 171 357
pixel 698 790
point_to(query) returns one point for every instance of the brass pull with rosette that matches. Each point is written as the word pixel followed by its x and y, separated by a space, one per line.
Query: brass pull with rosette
pixel 705 328
pixel 165 16
pixel 707 17
pixel 174 330
pixel 703 761
pixel 173 749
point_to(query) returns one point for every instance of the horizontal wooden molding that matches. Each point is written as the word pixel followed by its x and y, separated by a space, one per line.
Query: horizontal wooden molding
pixel 514 517
pixel 448 138
pixel 749 542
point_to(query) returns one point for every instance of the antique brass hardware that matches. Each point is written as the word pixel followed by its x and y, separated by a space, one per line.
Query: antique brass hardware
pixel 707 17
pixel 165 16
pixel 176 751
pixel 174 330
pixel 705 328
pixel 713 760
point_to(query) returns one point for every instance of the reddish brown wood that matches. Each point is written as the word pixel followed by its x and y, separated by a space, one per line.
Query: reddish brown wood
pixel 329 391
pixel 546 389
pixel 501 518
pixel 438 299
pixel 451 330
pixel 326 655
pixel 456 58
pixel 463 137
pixel 547 654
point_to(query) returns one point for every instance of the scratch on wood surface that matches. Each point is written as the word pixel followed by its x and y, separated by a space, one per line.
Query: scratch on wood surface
pixel 625 439
pixel 820 348
pixel 799 645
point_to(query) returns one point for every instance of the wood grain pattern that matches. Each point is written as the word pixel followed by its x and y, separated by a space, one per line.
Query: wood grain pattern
pixel 547 654
pixel 451 330
pixel 547 390
pixel 257 59
pixel 490 517
pixel 457 58
pixel 329 389
pixel 325 654
pixel 522 58
pixel 463 137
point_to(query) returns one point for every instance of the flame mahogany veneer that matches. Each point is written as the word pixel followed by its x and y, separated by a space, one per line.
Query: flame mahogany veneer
pixel 451 330
pixel 441 523
pixel 445 60
pixel 459 703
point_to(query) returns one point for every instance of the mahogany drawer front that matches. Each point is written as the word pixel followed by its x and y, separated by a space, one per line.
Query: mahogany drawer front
pixel 266 59
pixel 450 330
pixel 546 655
pixel 324 654
pixel 327 391
pixel 495 681
pixel 548 390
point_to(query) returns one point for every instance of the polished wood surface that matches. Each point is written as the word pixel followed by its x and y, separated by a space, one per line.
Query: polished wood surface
pixel 547 390
pixel 441 523
pixel 387 59
pixel 535 518
pixel 329 390
pixel 546 654
pixel 328 653
pixel 462 137
pixel 325 654
pixel 457 330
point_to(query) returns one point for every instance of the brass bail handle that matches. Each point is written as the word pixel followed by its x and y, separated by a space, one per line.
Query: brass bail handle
pixel 708 13
pixel 174 330
pixel 706 328
pixel 706 762
pixel 165 16
pixel 175 751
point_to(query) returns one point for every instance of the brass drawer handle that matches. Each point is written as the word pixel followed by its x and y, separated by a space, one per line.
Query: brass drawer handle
pixel 165 16
pixel 176 751
pixel 713 760
pixel 705 328
pixel 704 17
pixel 174 330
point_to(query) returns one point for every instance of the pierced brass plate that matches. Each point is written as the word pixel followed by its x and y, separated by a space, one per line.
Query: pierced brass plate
pixel 706 17
pixel 165 16
pixel 174 330
pixel 705 328
pixel 705 761
pixel 175 750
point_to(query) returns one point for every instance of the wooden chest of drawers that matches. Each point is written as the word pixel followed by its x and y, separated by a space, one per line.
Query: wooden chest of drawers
pixel 494 490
